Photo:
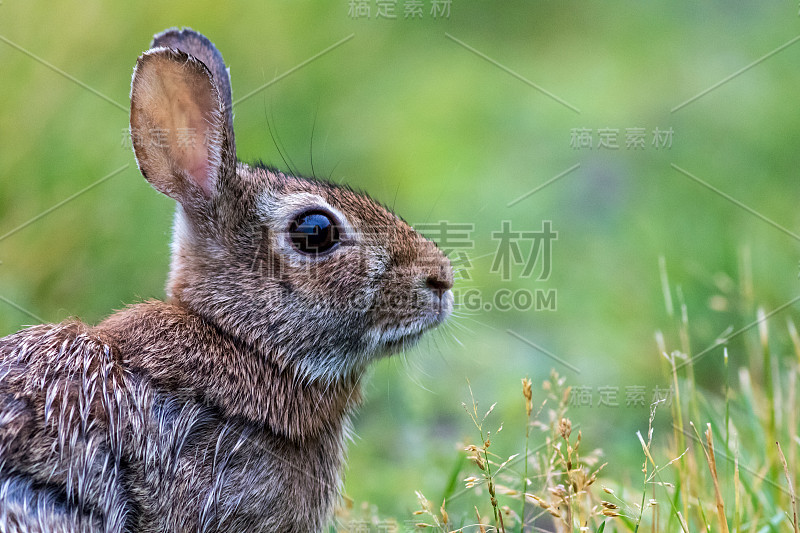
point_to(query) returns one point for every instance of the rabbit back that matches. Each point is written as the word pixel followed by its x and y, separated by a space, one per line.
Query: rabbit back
pixel 89 444
pixel 60 441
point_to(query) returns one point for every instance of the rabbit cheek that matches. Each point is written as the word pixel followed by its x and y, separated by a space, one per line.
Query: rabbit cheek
pixel 399 318
pixel 416 296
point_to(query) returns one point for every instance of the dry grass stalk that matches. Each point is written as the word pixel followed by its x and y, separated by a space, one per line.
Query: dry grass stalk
pixel 480 521
pixel 712 464
pixel 791 488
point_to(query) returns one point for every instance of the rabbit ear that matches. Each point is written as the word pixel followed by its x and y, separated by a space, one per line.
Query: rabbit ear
pixel 198 46
pixel 181 137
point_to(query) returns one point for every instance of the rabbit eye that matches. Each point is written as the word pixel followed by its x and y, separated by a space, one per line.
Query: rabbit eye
pixel 314 232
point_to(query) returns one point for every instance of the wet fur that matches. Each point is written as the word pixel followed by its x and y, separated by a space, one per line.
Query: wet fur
pixel 106 434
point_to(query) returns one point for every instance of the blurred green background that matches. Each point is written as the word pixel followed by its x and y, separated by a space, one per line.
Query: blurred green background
pixel 408 113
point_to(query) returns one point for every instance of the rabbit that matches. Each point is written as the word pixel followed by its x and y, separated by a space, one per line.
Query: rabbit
pixel 227 406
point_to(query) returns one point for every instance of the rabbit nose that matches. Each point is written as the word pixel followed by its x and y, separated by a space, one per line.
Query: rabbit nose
pixel 440 282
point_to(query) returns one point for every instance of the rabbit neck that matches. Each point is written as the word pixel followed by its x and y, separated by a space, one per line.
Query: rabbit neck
pixel 178 349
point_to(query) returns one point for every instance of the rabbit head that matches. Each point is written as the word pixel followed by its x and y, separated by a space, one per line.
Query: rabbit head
pixel 313 275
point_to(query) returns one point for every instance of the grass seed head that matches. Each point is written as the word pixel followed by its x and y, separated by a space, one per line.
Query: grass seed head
pixel 471 481
pixel 565 428
pixel 559 491
pixel 526 391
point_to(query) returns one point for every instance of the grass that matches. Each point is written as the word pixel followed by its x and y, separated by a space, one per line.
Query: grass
pixel 713 459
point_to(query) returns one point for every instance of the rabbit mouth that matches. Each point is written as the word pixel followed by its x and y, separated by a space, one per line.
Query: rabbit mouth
pixel 401 338
pixel 402 342
pixel 397 334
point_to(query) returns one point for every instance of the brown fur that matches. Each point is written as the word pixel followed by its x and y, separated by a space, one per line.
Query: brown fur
pixel 225 408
